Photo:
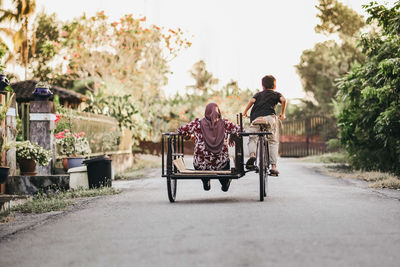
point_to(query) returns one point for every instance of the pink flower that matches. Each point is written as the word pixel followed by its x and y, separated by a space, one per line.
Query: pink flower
pixel 59 135
pixel 64 33
pixel 66 130
pixel 82 134
pixel 58 117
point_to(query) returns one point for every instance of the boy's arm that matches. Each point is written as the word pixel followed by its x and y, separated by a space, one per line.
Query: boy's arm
pixel 283 102
pixel 251 102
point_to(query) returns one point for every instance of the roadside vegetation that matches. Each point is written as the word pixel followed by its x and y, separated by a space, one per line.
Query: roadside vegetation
pixel 338 164
pixel 376 179
pixel 58 201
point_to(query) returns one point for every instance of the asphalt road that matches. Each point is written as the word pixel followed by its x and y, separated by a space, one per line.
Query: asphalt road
pixel 309 219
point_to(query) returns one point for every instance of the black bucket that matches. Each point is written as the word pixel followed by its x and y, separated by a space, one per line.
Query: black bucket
pixel 99 171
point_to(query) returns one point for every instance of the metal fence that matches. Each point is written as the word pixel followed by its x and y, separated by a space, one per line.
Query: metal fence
pixel 307 136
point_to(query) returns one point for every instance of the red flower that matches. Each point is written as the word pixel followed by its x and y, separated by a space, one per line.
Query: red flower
pixel 58 117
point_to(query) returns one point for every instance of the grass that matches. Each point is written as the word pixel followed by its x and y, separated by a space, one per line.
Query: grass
pixel 43 204
pixel 342 169
pixel 140 164
pixel 6 216
pixel 334 157
pixel 375 179
pixel 61 200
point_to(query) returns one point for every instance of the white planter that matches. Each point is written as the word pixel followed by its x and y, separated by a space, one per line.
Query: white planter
pixel 78 177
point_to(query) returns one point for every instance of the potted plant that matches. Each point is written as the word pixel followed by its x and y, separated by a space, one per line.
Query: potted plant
pixel 29 154
pixel 73 146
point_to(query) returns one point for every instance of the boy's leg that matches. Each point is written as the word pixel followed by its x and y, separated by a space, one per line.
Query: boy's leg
pixel 252 146
pixel 273 140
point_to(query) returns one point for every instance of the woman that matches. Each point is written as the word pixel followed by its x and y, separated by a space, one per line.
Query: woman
pixel 211 151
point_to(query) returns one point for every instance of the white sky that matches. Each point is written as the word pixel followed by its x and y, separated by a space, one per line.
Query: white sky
pixel 241 40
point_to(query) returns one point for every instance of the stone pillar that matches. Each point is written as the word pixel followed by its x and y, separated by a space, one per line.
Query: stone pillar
pixel 11 133
pixel 42 117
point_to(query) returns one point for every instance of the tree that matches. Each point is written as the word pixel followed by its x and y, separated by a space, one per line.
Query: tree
pixel 20 14
pixel 321 66
pixel 369 118
pixel 47 36
pixel 204 79
pixel 338 18
pixel 123 57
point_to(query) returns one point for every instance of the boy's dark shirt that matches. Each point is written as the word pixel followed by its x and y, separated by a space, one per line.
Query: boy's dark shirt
pixel 266 101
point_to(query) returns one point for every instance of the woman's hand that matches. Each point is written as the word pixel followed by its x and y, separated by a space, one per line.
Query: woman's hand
pixel 230 141
pixel 190 137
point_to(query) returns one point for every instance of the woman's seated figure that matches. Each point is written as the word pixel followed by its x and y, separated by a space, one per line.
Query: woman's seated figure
pixel 211 150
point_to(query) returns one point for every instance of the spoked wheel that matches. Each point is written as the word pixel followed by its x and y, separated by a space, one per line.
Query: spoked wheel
pixel 262 168
pixel 171 186
pixel 266 167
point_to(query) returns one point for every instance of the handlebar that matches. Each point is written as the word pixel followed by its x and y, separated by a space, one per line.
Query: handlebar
pixel 239 133
pixel 256 133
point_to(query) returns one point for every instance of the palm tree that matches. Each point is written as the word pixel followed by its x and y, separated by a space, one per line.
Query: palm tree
pixel 204 79
pixel 20 14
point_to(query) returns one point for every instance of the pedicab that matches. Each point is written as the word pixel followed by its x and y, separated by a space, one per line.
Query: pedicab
pixel 174 169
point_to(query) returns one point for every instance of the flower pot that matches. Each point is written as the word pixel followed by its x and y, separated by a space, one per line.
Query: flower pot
pixel 4 174
pixel 65 164
pixel 69 163
pixel 27 166
pixel 75 162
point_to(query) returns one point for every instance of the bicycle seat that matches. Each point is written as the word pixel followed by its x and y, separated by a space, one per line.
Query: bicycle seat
pixel 260 121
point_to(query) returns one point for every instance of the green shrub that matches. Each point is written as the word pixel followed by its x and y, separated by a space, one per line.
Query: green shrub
pixel 334 145
pixel 369 119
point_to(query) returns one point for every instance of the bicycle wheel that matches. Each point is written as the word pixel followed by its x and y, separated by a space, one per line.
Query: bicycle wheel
pixel 171 187
pixel 266 167
pixel 261 166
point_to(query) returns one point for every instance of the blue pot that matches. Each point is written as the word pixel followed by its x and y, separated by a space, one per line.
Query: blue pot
pixel 4 82
pixel 75 162
pixel 42 93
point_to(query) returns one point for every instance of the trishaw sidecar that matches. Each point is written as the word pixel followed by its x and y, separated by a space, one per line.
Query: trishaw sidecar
pixel 172 148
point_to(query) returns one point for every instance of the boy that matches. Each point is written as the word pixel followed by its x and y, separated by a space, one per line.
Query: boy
pixel 264 107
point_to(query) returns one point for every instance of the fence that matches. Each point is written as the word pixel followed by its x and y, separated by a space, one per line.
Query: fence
pixel 305 137
pixel 102 132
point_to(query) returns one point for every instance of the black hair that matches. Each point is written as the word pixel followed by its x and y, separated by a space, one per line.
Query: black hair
pixel 268 82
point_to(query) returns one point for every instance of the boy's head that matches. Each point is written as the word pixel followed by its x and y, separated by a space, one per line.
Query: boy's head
pixel 269 82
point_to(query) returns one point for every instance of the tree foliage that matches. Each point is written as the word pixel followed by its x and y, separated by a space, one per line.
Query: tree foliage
pixel 338 18
pixel 320 66
pixel 124 57
pixel 204 79
pixel 47 46
pixel 370 94
pixel 21 12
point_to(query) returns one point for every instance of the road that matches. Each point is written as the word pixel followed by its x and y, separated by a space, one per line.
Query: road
pixel 309 219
